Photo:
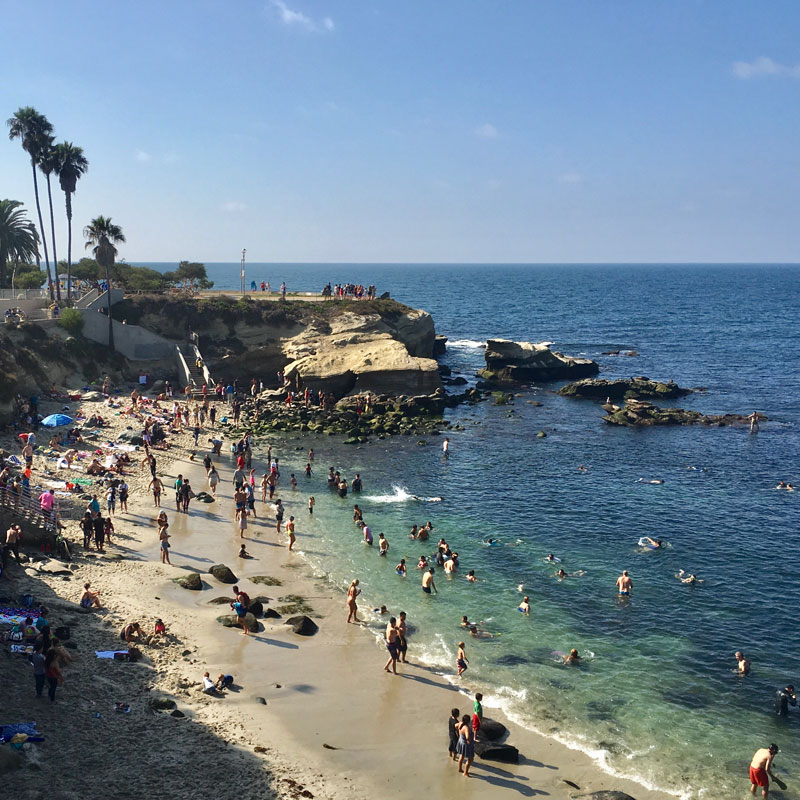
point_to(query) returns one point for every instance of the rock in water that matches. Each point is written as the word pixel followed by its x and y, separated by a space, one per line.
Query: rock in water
pixel 191 581
pixel 640 413
pixel 623 388
pixel 604 795
pixel 303 625
pixel 489 751
pixel 223 574
pixel 491 730
pixel 510 362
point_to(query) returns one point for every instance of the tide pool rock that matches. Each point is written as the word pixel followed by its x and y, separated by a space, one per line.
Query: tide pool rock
pixel 223 574
pixel 623 388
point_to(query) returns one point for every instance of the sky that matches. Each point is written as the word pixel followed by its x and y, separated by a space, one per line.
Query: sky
pixel 419 131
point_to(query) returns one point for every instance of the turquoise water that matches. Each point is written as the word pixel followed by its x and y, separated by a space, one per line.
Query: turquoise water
pixel 659 699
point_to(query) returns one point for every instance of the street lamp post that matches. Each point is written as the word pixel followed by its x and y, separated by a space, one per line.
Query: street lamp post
pixel 242 275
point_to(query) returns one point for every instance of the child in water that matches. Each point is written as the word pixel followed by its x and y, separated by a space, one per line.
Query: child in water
pixel 311 505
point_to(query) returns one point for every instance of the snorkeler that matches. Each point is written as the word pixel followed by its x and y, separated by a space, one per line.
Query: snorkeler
pixel 647 541
pixel 688 577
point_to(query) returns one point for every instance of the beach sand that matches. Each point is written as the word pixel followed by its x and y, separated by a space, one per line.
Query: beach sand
pixel 334 723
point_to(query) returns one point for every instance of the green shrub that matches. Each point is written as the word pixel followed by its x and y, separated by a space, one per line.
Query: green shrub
pixel 71 320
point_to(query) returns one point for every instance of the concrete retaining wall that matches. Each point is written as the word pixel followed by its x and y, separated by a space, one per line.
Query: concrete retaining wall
pixel 133 341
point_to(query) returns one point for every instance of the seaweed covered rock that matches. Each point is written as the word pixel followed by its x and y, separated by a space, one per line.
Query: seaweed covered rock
pixel 623 389
pixel 191 581
pixel 640 413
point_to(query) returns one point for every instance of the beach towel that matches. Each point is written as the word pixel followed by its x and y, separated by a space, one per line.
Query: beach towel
pixel 14 461
pixel 9 731
pixel 109 653
pixel 16 615
pixel 28 649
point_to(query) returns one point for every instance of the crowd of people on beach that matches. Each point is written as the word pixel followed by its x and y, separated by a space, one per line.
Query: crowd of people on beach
pixel 349 291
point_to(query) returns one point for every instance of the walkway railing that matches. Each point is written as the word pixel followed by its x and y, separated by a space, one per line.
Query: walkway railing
pixel 25 506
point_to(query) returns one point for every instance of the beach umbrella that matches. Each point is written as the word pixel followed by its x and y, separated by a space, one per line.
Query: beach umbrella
pixel 56 420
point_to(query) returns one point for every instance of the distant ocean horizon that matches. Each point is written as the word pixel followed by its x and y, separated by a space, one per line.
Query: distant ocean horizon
pixel 657 697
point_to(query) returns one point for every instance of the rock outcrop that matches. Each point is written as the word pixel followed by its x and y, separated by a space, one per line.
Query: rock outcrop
pixel 302 625
pixel 510 362
pixel 191 581
pixel 361 353
pixel 623 389
pixel 640 413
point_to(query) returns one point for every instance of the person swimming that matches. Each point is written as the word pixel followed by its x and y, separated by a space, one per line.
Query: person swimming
pixel 688 577
pixel 653 482
pixel 650 544
pixel 400 569
pixel 572 657
pixel 561 574
pixel 551 558
pixel 525 606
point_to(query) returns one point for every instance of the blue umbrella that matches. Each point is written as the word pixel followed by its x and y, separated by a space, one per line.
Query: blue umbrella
pixel 56 420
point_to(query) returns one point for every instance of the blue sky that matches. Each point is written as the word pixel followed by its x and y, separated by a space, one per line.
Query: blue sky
pixel 446 130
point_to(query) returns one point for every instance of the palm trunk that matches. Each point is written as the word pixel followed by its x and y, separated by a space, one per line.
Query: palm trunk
pixel 69 247
pixel 41 228
pixel 108 299
pixel 53 239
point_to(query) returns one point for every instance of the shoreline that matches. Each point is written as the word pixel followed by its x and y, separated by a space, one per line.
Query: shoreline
pixel 322 697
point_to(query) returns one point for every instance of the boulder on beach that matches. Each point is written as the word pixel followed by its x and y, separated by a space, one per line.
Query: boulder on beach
pixel 623 388
pixel 510 362
pixel 232 621
pixel 492 730
pixel 256 608
pixel 492 751
pixel 303 625
pixel 52 567
pixel 271 613
pixel 191 581
pixel 223 574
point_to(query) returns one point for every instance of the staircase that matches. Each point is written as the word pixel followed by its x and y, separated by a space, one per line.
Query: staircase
pixel 192 375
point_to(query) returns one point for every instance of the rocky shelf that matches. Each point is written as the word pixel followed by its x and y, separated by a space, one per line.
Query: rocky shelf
pixel 623 389
pixel 640 413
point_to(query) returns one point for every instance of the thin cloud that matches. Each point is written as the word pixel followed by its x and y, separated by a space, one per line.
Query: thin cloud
pixel 764 68
pixel 233 206
pixel 572 178
pixel 142 156
pixel 297 19
pixel 487 131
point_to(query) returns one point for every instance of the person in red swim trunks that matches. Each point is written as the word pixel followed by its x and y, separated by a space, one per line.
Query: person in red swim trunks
pixel 761 769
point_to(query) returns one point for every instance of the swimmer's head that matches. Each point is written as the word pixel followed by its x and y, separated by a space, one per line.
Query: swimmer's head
pixel 525 599
pixel 773 748
pixel 574 653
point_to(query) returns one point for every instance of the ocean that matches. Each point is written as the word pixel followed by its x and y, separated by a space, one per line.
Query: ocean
pixel 657 697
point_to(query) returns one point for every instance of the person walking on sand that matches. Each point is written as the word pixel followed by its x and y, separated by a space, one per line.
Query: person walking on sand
pixel 761 769
pixel 352 607
pixel 461 659
pixel 163 537
pixel 290 532
pixel 465 748
pixel 428 585
pixel 52 674
pixel 213 480
pixel 391 646
pixel 624 584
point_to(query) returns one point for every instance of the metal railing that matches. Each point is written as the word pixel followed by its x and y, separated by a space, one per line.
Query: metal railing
pixel 26 507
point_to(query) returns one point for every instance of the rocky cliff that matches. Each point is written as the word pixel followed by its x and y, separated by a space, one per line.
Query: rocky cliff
pixel 510 362
pixel 341 347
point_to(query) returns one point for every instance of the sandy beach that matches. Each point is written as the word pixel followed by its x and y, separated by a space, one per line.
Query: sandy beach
pixel 308 716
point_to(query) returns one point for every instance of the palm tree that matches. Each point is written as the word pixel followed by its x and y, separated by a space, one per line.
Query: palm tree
pixel 48 163
pixel 18 238
pixel 101 235
pixel 71 165
pixel 33 129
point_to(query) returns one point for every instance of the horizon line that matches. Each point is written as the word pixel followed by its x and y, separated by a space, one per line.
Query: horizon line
pixel 498 263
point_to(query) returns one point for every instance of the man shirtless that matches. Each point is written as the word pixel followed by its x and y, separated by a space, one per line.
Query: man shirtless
pixel 428 585
pixel 391 645
pixel 742 663
pixel 761 769
pixel 624 584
